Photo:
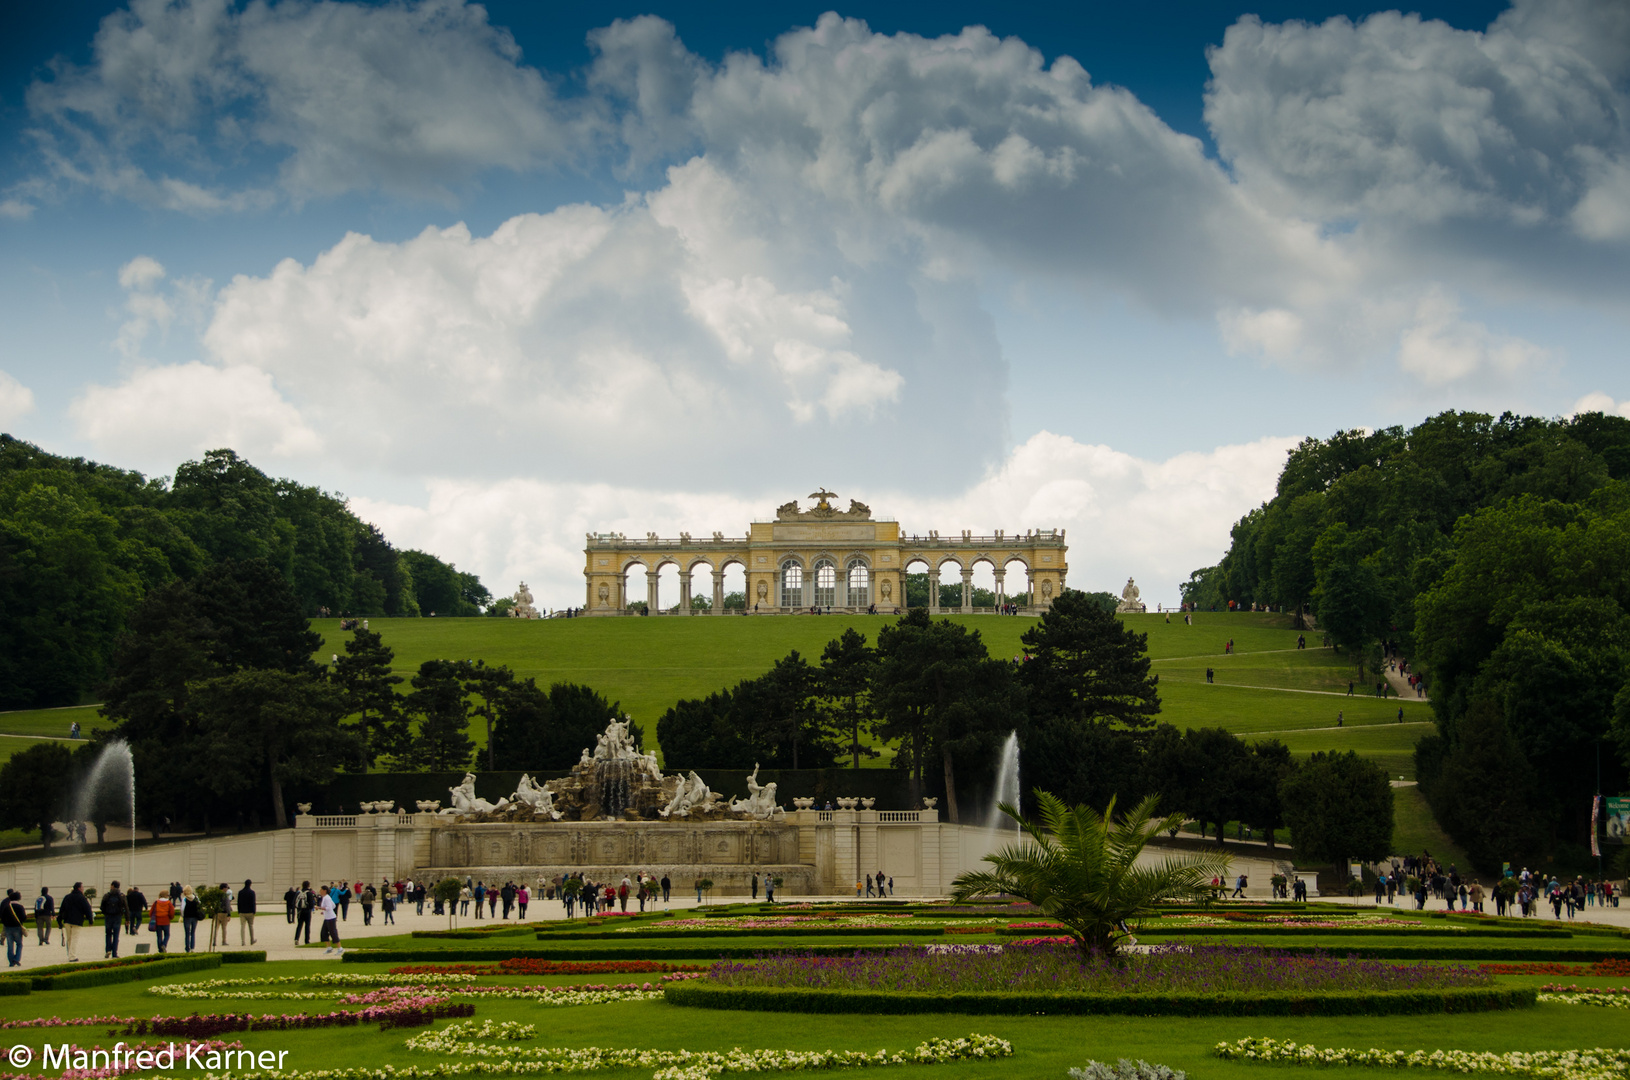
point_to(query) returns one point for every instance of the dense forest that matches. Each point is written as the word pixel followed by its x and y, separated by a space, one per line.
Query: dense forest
pixel 1494 556
pixel 81 545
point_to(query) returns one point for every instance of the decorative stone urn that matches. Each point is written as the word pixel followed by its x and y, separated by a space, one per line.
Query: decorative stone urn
pixel 303 807
pixel 929 803
pixel 803 804
pixel 867 804
pixel 847 804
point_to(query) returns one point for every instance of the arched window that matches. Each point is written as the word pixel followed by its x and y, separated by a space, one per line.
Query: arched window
pixel 860 583
pixel 792 584
pixel 826 584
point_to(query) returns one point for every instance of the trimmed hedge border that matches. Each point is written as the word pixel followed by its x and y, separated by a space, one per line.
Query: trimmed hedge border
pixel 108 976
pixel 1450 952
pixel 1352 931
pixel 244 956
pixel 15 987
pixel 698 994
pixel 724 932
pixel 726 952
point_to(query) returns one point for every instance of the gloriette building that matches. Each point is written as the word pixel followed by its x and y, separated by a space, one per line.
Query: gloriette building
pixel 821 557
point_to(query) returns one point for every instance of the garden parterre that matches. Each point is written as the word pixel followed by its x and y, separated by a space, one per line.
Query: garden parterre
pixel 609 1034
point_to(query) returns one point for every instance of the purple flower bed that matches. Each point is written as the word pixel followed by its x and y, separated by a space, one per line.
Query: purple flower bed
pixel 1165 969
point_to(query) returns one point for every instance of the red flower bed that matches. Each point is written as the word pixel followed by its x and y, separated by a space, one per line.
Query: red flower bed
pixel 1035 926
pixel 1610 967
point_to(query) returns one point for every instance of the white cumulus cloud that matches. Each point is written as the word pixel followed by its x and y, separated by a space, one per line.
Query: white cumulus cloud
pixel 16 400
pixel 178 411
pixel 1596 401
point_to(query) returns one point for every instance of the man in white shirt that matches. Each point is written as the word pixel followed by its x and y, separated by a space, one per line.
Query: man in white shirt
pixel 331 923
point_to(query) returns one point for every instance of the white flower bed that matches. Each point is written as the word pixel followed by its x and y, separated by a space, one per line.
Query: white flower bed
pixel 1598 1064
pixel 486 1041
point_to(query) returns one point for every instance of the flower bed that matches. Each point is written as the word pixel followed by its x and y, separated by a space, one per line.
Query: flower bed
pixel 528 966
pixel 121 1064
pixel 495 1045
pixel 947 969
pixel 1608 967
pixel 1597 1064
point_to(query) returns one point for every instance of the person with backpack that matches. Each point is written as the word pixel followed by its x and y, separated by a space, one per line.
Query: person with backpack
pixel 13 917
pixel 44 908
pixel 303 903
pixel 113 915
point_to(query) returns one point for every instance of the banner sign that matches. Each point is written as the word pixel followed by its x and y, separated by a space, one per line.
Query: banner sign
pixel 1618 818
pixel 1595 823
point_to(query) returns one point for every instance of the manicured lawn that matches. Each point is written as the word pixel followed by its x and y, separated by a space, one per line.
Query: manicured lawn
pixel 50 723
pixel 10 746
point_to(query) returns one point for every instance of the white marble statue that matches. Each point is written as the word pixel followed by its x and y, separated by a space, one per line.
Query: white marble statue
pixel 652 769
pixel 693 795
pixel 523 608
pixel 465 801
pixel 1130 599
pixel 760 801
pixel 616 745
pixel 538 797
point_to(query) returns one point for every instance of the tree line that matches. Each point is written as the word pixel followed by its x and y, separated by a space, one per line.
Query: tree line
pixel 1081 701
pixel 1494 555
pixel 214 688
pixel 81 544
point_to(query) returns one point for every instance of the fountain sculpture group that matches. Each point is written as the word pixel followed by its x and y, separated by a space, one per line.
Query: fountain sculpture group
pixel 613 782
pixel 616 813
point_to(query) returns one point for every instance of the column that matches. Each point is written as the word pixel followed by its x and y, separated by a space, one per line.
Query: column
pixel 718 592
pixel 933 588
pixel 1001 586
pixel 1030 576
pixel 651 591
pixel 967 591
pixel 840 593
pixel 684 592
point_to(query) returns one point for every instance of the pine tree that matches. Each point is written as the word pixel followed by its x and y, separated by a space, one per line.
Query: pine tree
pixel 364 676
pixel 441 740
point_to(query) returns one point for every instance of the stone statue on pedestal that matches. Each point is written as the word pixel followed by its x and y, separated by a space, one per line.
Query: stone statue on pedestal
pixel 465 801
pixel 538 797
pixel 693 796
pixel 760 802
pixel 1129 600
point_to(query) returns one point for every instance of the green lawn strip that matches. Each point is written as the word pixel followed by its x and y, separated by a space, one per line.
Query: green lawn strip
pixel 1307 669
pixel 1414 828
pixel 1044 1046
pixel 52 723
pixel 1324 1003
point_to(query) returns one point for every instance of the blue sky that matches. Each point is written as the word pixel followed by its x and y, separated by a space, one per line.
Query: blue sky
pixel 507 274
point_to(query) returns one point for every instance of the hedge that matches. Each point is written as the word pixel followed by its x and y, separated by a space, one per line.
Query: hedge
pixel 478 933
pixel 15 987
pixel 1448 952
pixel 94 965
pixel 243 956
pixel 726 932
pixel 700 994
pixel 716 952
pixel 87 977
pixel 1354 931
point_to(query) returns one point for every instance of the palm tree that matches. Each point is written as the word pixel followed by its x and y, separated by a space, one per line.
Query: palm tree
pixel 1079 867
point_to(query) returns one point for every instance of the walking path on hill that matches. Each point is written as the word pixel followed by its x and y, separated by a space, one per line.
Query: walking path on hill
pixel 1400 683
pixel 1286 689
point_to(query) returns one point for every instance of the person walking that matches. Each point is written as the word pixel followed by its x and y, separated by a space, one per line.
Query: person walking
pixel 135 907
pixel 622 893
pixel 44 908
pixel 223 918
pixel 464 900
pixel 387 904
pixel 492 903
pixel 331 923
pixel 507 893
pixel 666 886
pixel 73 918
pixel 290 898
pixel 769 889
pixel 522 898
pixel 246 912
pixel 160 914
pixel 755 885
pixel 113 917
pixel 303 904
pixel 479 895
pixel 13 917
pixel 367 900
pixel 345 900
pixel 191 912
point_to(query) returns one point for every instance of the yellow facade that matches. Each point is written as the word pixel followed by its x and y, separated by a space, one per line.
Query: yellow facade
pixel 821 557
